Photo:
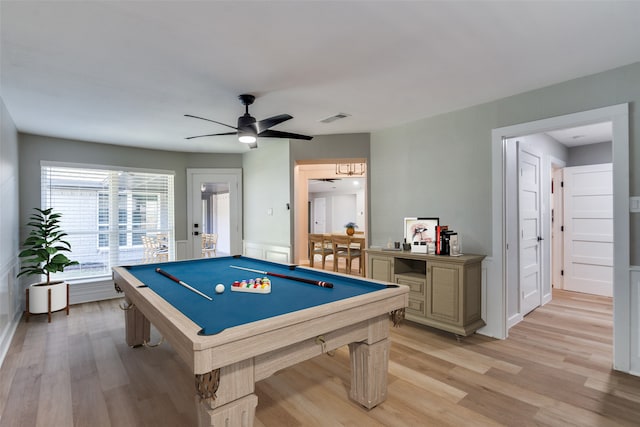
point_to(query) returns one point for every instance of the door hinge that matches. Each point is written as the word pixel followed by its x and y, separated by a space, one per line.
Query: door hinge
pixel 562 272
pixel 562 228
pixel 561 183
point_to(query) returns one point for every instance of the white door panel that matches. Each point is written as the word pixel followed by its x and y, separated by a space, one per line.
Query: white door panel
pixel 319 215
pixel 530 228
pixel 588 237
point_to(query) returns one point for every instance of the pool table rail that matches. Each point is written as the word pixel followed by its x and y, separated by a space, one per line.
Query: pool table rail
pixel 203 353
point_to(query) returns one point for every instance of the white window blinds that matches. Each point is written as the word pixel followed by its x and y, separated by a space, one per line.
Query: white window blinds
pixel 106 213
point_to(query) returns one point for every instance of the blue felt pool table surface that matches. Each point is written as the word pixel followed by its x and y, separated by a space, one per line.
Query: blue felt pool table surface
pixel 236 308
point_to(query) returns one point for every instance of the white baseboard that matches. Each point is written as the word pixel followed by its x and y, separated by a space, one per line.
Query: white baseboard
pixel 11 304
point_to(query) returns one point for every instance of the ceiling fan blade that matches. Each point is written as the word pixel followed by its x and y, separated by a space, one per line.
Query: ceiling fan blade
pixel 212 134
pixel 278 134
pixel 272 121
pixel 209 120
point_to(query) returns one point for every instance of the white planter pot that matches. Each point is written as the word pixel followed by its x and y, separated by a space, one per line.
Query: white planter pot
pixel 39 297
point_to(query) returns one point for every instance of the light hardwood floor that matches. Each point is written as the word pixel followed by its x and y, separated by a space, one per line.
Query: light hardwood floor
pixel 553 370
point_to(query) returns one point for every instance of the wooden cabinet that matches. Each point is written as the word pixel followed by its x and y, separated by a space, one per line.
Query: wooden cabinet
pixel 380 267
pixel 445 292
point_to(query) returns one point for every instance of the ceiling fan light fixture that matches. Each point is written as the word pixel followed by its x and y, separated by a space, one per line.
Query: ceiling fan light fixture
pixel 247 139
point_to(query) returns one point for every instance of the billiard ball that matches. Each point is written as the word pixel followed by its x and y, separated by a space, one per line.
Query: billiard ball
pixel 219 288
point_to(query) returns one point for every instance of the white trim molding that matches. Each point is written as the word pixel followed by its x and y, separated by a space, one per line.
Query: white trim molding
pixel 634 279
pixel 267 251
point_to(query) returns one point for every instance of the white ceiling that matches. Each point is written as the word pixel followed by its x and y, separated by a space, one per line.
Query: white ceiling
pixel 584 135
pixel 125 72
pixel 347 185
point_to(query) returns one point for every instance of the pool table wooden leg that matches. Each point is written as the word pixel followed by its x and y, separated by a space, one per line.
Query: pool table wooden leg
pixel 233 402
pixel 137 327
pixel 369 365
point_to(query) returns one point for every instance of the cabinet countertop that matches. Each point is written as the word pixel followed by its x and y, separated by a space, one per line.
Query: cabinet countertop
pixel 461 259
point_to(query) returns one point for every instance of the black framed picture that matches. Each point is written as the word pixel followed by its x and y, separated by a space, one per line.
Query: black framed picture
pixel 420 229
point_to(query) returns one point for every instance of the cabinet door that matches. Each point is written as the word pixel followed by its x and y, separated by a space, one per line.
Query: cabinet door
pixel 380 268
pixel 444 293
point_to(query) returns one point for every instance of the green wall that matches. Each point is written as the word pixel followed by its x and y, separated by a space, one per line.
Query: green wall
pixel 441 166
pixel 266 177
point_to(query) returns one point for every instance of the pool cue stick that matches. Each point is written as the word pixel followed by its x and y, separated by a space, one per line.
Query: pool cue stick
pixel 180 282
pixel 320 283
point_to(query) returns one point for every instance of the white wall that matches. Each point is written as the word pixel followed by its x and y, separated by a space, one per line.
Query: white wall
pixel 11 294
pixel 342 208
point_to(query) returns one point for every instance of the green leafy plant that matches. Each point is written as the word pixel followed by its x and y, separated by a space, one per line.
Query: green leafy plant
pixel 351 225
pixel 44 246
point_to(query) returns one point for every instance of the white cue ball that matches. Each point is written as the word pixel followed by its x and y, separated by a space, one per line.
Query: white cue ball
pixel 219 288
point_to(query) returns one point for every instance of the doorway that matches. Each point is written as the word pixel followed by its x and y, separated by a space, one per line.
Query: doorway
pixel 311 179
pixel 496 296
pixel 541 223
pixel 214 206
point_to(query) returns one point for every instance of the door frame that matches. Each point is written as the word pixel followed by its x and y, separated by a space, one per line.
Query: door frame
pixel 556 256
pixel 496 309
pixel 235 206
pixel 303 171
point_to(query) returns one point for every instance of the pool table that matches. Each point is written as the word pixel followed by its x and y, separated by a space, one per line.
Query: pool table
pixel 238 338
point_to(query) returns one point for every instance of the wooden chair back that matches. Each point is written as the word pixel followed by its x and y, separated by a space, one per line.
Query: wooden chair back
pixel 343 248
pixel 319 245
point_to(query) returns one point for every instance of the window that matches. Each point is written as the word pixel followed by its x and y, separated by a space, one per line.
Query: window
pixel 107 212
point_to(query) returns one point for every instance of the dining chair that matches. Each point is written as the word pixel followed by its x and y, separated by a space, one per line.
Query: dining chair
pixel 154 251
pixel 319 245
pixel 342 248
pixel 209 243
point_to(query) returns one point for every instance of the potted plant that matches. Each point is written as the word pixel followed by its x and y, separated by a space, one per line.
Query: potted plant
pixel 351 228
pixel 43 255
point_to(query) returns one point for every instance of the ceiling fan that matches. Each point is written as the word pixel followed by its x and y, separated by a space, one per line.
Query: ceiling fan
pixel 327 179
pixel 248 129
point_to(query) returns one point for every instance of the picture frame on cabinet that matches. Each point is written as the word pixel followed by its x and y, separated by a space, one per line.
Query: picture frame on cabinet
pixel 420 230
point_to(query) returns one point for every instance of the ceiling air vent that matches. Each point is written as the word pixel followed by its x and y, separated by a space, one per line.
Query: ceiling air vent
pixel 335 117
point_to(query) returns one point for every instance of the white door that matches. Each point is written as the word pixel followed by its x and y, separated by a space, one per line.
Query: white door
pixel 557 227
pixel 588 233
pixel 319 215
pixel 214 205
pixel 530 235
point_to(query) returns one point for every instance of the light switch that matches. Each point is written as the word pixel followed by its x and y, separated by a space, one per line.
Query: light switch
pixel 634 204
pixel 270 212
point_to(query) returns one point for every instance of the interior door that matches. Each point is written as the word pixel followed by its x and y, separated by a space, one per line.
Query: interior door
pixel 530 236
pixel 215 206
pixel 319 215
pixel 588 236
